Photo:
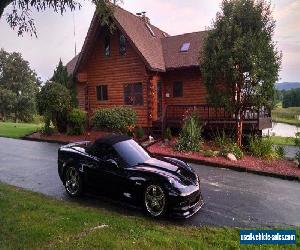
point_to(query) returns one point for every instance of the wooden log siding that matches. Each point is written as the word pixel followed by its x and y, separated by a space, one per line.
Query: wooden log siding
pixel 115 71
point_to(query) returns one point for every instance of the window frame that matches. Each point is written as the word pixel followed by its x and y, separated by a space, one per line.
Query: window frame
pixel 175 95
pixel 102 99
pixel 133 94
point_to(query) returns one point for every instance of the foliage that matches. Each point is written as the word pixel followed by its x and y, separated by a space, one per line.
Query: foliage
pixel 297 139
pixel 221 139
pixel 120 118
pixel 18 87
pixel 210 153
pixel 232 148
pixel 240 61
pixel 139 132
pixel 298 157
pixel 291 98
pixel 280 152
pixel 167 135
pixel 261 147
pixel 60 75
pixel 190 135
pixel 77 121
pixel 19 17
pixel 54 101
pixel 47 129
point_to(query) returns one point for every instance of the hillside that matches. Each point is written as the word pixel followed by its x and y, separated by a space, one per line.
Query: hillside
pixel 287 85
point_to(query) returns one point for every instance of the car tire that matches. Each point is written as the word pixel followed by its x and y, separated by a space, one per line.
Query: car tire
pixel 155 200
pixel 73 182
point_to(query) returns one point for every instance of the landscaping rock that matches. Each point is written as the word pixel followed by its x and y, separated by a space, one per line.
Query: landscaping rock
pixel 231 157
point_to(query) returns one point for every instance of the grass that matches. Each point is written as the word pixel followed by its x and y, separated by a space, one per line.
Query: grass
pixel 279 140
pixel 32 221
pixel 17 130
pixel 286 115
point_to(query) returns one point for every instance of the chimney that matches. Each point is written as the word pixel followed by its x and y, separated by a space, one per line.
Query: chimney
pixel 143 16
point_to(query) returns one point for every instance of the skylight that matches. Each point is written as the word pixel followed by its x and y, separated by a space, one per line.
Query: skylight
pixel 185 47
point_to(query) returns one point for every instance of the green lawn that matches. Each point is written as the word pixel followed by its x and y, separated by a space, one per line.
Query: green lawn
pixel 17 130
pixel 278 140
pixel 32 221
pixel 286 115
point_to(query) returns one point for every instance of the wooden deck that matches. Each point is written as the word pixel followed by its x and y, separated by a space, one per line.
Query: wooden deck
pixel 253 118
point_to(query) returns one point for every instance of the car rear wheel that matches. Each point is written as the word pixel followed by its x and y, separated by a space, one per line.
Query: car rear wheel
pixel 73 182
pixel 155 200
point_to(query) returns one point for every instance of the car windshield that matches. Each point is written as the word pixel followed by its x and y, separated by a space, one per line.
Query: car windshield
pixel 131 152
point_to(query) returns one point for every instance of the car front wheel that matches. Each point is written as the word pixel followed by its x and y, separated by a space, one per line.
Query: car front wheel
pixel 155 200
pixel 73 182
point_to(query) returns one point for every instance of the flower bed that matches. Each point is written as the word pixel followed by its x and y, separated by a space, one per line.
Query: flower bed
pixel 64 138
pixel 248 163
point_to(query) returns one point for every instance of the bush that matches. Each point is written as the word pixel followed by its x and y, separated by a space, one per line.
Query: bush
pixel 221 139
pixel 47 129
pixel 139 132
pixel 54 101
pixel 262 147
pixel 77 121
pixel 280 153
pixel 167 134
pixel 210 153
pixel 190 136
pixel 121 119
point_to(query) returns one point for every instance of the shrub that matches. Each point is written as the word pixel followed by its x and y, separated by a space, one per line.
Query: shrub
pixel 121 119
pixel 262 147
pixel 77 120
pixel 54 101
pixel 280 153
pixel 190 136
pixel 221 139
pixel 167 134
pixel 210 153
pixel 47 129
pixel 139 132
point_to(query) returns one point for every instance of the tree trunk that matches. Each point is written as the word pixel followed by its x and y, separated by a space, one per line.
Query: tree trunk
pixel 3 5
pixel 239 132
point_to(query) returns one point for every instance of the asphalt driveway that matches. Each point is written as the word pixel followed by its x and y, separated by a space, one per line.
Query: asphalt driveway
pixel 232 198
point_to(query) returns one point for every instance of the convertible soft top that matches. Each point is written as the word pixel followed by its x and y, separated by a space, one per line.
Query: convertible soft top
pixel 112 139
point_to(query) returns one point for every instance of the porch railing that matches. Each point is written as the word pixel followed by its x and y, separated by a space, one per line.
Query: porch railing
pixel 210 114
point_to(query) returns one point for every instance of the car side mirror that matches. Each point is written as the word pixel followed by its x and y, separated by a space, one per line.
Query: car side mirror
pixel 112 163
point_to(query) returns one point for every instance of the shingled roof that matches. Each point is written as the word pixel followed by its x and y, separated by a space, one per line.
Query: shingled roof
pixel 159 51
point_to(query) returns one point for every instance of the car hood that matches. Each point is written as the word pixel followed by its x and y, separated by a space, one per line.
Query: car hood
pixel 170 167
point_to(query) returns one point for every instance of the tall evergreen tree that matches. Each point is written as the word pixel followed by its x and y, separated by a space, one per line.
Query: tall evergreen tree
pixel 61 75
pixel 240 59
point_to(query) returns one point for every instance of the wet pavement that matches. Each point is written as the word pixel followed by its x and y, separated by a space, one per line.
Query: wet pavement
pixel 231 198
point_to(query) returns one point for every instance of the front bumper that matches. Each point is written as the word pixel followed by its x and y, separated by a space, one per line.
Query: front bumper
pixel 186 206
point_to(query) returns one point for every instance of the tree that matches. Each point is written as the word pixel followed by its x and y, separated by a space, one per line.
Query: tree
pixel 61 75
pixel 20 17
pixel 291 98
pixel 240 60
pixel 54 101
pixel 18 85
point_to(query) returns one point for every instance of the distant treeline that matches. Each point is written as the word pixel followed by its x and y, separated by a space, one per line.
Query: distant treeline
pixel 289 98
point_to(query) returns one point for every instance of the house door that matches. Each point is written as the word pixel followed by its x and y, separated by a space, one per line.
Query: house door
pixel 159 100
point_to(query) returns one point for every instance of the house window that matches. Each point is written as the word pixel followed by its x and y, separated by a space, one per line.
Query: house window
pixel 133 94
pixel 106 44
pixel 102 93
pixel 122 44
pixel 177 89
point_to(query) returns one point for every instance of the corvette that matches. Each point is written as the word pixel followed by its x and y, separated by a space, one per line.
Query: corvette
pixel 119 167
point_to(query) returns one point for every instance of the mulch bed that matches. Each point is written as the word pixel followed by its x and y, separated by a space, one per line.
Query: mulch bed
pixel 63 138
pixel 279 167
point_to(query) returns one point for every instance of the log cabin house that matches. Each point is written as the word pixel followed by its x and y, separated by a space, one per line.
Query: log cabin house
pixel 143 67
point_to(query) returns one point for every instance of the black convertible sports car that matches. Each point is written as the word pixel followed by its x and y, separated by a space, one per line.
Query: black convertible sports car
pixel 118 166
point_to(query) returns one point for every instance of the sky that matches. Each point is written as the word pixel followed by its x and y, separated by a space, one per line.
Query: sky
pixel 56 33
